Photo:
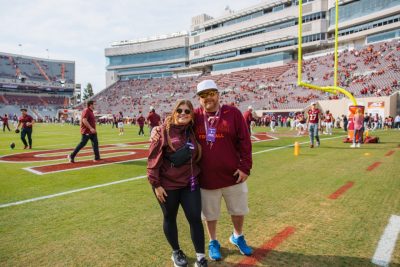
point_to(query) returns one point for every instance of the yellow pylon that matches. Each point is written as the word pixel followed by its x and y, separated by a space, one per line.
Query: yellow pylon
pixel 296 148
pixel 366 133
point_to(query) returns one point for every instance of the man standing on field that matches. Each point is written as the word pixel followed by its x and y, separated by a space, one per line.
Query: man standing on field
pixel 225 165
pixel 26 122
pixel 88 131
pixel 313 124
pixel 153 119
pixel 5 122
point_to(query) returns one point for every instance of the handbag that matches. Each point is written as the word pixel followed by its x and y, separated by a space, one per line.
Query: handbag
pixel 182 155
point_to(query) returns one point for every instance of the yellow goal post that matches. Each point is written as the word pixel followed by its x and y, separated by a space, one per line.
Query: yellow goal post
pixel 330 89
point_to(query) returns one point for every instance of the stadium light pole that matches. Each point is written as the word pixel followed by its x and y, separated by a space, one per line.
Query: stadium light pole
pixel 20 48
pixel 47 50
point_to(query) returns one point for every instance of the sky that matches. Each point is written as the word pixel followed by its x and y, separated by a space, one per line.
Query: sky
pixel 80 30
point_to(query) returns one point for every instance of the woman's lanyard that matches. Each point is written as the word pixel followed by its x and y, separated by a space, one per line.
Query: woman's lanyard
pixel 192 179
pixel 210 126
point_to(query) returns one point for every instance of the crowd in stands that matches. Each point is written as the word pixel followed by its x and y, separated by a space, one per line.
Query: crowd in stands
pixel 373 70
pixel 40 106
pixel 33 100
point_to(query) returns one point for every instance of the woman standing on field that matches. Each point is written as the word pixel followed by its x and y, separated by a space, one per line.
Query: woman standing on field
pixel 172 171
pixel 358 121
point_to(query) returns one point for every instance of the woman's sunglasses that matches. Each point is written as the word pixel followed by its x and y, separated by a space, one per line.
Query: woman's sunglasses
pixel 180 111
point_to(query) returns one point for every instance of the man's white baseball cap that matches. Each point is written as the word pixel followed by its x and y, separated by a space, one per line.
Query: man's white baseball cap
pixel 206 85
pixel 250 107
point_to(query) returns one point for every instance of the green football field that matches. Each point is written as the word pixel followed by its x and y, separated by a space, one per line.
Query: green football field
pixel 108 216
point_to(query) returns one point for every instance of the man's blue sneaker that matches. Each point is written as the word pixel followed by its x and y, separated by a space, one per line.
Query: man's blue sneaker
pixel 214 250
pixel 241 244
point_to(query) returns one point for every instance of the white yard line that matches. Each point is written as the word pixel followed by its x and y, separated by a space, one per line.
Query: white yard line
pixel 77 141
pixel 282 147
pixel 71 192
pixel 117 182
pixel 387 243
pixel 31 169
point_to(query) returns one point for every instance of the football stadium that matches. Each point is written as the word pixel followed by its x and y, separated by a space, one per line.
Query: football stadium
pixel 294 71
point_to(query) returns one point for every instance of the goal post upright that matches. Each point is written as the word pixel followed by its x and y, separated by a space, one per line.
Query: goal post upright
pixel 330 89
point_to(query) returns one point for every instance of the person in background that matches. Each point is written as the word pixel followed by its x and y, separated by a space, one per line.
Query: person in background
pixel 5 122
pixel 26 122
pixel 345 122
pixel 88 132
pixel 120 120
pixel 314 124
pixel 397 122
pixel 328 122
pixel 273 123
pixel 358 121
pixel 141 121
pixel 153 119
pixel 248 117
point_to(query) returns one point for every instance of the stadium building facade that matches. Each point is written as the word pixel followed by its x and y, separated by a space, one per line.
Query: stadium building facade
pixel 263 35
pixel 155 57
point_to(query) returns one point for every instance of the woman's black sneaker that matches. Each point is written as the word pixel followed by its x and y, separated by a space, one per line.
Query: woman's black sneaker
pixel 201 263
pixel 179 258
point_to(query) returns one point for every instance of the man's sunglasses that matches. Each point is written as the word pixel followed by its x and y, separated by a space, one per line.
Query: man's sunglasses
pixel 180 111
pixel 207 94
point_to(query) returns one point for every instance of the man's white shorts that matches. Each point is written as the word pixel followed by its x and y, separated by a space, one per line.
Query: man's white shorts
pixel 120 125
pixel 235 197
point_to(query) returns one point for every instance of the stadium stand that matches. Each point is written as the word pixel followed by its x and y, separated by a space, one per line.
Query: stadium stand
pixel 41 85
pixel 372 70
pixel 17 67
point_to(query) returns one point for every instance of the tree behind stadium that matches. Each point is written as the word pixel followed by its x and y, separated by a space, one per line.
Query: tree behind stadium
pixel 88 91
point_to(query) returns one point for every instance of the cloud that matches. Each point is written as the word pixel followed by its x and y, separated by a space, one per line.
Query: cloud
pixel 81 30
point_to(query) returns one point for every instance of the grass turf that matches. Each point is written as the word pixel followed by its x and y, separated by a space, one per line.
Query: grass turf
pixel 120 225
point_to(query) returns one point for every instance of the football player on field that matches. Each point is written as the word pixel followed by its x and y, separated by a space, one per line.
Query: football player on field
pixel 314 124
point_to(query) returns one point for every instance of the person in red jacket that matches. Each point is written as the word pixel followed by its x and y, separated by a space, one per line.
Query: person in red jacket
pixel 26 122
pixel 226 162
pixel 5 122
pixel 225 165
pixel 88 131
pixel 248 117
pixel 153 119
pixel 140 121
pixel 173 172
pixel 314 124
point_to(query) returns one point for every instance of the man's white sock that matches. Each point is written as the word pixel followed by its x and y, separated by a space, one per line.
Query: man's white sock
pixel 236 235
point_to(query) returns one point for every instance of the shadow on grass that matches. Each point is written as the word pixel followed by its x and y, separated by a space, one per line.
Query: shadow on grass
pixel 284 259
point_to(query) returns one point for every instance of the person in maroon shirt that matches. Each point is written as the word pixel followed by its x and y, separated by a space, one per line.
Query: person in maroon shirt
pixel 5 122
pixel 314 124
pixel 26 122
pixel 140 121
pixel 120 125
pixel 88 132
pixel 248 117
pixel 176 183
pixel 153 119
pixel 225 165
